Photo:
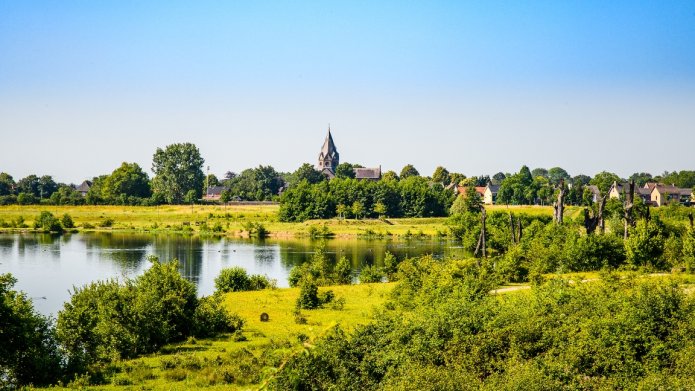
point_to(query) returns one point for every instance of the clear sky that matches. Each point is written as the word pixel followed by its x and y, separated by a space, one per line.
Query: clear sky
pixel 476 86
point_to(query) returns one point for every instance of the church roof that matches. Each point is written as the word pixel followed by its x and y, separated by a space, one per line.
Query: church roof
pixel 329 148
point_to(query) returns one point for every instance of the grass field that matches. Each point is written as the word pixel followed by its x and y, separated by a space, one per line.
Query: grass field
pixel 231 220
pixel 231 363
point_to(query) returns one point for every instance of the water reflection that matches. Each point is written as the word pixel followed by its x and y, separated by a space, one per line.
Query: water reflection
pixel 50 265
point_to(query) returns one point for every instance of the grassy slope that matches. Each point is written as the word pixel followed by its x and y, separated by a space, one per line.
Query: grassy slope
pixel 205 363
pixel 233 218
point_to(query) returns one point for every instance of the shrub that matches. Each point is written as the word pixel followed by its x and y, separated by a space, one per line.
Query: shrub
pixel 47 222
pixel 28 352
pixel 259 282
pixel 308 295
pixel 107 222
pixel 343 271
pixel 211 318
pixel 67 222
pixel 371 274
pixel 645 245
pixel 232 279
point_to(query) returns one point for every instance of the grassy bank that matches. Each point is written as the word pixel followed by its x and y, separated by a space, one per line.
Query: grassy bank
pixel 232 220
pixel 241 361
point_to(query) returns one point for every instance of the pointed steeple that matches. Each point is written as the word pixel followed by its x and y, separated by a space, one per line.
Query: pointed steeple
pixel 329 157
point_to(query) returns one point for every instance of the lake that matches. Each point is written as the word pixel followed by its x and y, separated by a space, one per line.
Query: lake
pixel 47 267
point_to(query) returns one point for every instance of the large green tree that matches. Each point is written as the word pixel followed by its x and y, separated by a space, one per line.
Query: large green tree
pixel 177 169
pixel 127 180
pixel 308 173
pixel 409 171
pixel 345 170
pixel 28 352
pixel 6 184
pixel 604 180
pixel 441 175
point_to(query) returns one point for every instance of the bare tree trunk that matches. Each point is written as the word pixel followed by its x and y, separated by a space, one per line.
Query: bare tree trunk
pixel 559 205
pixel 628 205
pixel 601 207
pixel 481 238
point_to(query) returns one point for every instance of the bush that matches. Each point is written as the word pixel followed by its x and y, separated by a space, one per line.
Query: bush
pixel 371 274
pixel 258 282
pixel 645 245
pixel 232 279
pixel 211 318
pixel 47 222
pixel 104 321
pixel 67 222
pixel 308 295
pixel 28 352
pixel 343 272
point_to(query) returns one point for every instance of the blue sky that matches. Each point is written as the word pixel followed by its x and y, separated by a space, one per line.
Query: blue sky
pixel 478 87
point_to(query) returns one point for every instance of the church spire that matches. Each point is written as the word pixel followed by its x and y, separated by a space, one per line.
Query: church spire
pixel 329 157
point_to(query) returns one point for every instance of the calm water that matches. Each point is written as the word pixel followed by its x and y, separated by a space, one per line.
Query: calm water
pixel 48 266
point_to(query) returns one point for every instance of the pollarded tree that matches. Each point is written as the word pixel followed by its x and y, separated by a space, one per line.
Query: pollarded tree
pixel 178 169
pixel 409 171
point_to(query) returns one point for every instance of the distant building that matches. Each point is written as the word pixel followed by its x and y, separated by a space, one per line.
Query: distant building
pixel 373 174
pixel 329 158
pixel 618 191
pixel 665 194
pixel 213 193
pixel 83 188
pixel 490 194
pixel 595 193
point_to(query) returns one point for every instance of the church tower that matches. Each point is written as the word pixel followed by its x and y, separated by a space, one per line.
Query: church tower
pixel 329 157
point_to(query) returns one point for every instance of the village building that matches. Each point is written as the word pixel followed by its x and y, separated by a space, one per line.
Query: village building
pixel 83 188
pixel 595 193
pixel 329 159
pixel 213 193
pixel 487 193
pixel 664 194
pixel 618 191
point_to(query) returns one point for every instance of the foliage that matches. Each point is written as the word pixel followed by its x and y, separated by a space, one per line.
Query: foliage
pixel 47 222
pixel 307 172
pixel 410 197
pixel 232 279
pixel 345 170
pixel 441 175
pixel 604 180
pixel 308 295
pixel 409 171
pixel 255 184
pixel 235 279
pixel 443 330
pixel 211 318
pixel 178 169
pixel 107 320
pixel 645 245
pixel 28 352
pixel 370 274
pixel 128 180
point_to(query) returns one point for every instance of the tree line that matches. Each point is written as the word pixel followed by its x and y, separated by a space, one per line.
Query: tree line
pixel 179 178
